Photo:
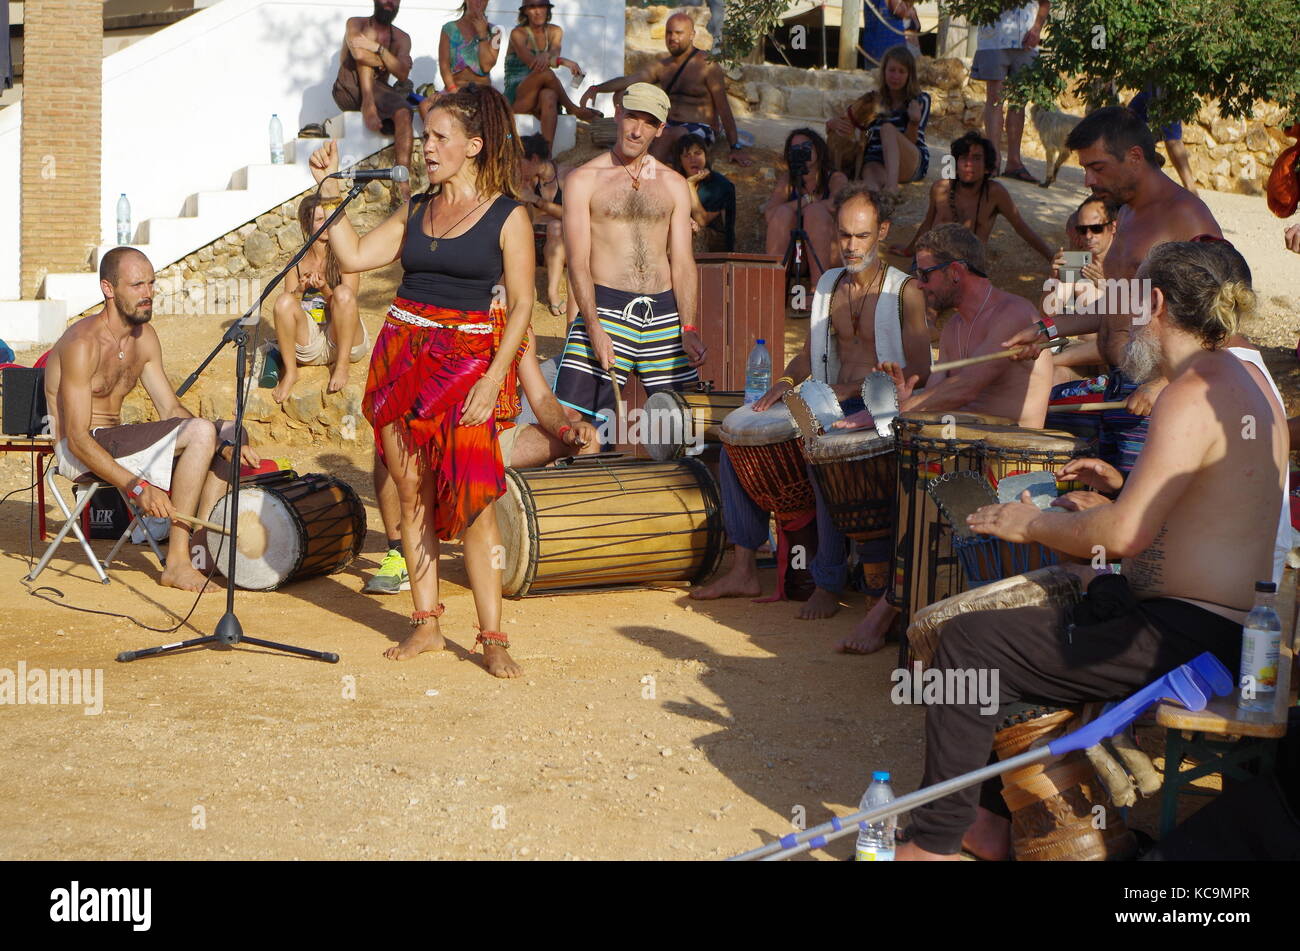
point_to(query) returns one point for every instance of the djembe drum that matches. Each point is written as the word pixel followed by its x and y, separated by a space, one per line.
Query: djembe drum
pixel 1052 805
pixel 764 451
pixel 681 422
pixel 925 566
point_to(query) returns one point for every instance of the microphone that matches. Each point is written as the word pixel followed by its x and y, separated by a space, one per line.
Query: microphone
pixel 398 173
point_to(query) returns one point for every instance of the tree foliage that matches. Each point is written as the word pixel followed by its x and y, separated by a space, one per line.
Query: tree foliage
pixel 1235 51
pixel 744 25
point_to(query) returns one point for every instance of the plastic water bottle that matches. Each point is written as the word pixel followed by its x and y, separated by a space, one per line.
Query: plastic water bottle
pixel 758 372
pixel 1261 642
pixel 876 841
pixel 277 141
pixel 123 220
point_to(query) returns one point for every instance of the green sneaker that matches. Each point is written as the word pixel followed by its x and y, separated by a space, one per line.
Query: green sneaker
pixel 391 576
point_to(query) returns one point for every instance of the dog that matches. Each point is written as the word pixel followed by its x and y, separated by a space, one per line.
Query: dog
pixel 1053 128
pixel 848 151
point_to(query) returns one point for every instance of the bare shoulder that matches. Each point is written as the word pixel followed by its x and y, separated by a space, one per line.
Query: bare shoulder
pixel 1193 216
pixel 1015 312
pixel 939 190
pixel 150 343
pixel 998 192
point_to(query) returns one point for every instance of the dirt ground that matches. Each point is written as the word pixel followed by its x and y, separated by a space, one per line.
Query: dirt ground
pixel 646 726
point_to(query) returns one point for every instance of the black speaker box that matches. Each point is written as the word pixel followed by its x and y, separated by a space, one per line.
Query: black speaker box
pixel 22 391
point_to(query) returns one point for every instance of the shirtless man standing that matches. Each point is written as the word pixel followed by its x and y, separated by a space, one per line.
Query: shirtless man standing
pixel 866 287
pixel 1198 490
pixel 627 237
pixel 973 199
pixel 695 85
pixel 1120 164
pixel 373 50
pixel 91 369
pixel 950 270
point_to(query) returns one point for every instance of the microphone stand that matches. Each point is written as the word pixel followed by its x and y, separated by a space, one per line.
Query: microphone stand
pixel 229 631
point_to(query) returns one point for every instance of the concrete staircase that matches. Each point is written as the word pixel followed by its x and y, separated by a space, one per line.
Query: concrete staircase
pixel 206 216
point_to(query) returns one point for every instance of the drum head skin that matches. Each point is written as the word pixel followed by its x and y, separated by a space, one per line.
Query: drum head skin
pixel 284 540
pixel 814 408
pixel 744 427
pixel 846 446
pixel 667 414
pixel 1045 440
pixel 517 535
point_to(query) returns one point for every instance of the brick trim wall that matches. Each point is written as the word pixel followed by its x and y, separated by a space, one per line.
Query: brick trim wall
pixel 62 130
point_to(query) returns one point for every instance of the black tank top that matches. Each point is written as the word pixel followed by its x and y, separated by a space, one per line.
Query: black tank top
pixel 462 271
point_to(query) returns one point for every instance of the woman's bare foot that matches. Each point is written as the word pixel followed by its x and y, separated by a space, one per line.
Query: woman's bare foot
pixel 740 582
pixel 869 634
pixel 423 637
pixel 587 115
pixel 282 389
pixel 822 604
pixel 185 577
pixel 499 663
pixel 338 379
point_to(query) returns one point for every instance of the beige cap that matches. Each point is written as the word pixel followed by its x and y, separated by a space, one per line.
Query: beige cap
pixel 643 97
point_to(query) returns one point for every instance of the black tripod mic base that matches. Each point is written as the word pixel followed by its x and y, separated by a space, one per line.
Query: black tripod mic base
pixel 229 632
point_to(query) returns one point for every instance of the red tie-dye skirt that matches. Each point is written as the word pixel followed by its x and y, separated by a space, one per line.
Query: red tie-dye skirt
pixel 419 379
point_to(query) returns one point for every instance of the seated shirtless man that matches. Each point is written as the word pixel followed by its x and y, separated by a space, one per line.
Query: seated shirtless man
pixel 696 87
pixel 865 286
pixel 974 199
pixel 950 269
pixel 1198 490
pixel 91 369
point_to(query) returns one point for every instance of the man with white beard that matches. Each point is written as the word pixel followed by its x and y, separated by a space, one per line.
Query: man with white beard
pixel 1202 487
pixel 876 315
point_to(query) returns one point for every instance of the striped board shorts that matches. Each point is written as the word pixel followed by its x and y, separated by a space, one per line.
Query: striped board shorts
pixel 647 341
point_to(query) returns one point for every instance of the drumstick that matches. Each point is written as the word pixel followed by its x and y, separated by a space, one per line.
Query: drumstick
pixel 252 535
pixel 1086 407
pixel 971 361
pixel 618 395
pixel 211 526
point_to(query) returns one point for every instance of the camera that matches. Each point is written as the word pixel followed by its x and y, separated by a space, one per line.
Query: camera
pixel 800 157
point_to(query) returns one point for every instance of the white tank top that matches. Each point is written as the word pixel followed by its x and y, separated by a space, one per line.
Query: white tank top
pixel 1282 541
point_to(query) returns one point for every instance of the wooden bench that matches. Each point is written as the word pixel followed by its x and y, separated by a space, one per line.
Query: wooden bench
pixel 1223 739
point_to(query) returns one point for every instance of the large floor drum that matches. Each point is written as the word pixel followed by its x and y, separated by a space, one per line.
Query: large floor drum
pixel 602 523
pixel 314 525
pixel 680 422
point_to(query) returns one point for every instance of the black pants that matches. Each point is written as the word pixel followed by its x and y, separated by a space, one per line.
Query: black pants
pixel 1104 648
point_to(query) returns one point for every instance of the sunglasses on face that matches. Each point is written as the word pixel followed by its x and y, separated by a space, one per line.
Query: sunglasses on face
pixel 1081 230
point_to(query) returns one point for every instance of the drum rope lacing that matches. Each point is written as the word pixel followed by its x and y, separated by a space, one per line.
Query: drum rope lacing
pixel 405 316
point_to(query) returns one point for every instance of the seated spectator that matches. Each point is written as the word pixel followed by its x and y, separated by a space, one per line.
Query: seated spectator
pixel 532 88
pixel 540 188
pixel 1091 227
pixel 812 188
pixel 713 196
pixel 373 51
pixel 895 152
pixel 467 50
pixel 973 199
pixel 316 316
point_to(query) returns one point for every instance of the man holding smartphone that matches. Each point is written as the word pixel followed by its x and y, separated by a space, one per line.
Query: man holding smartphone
pixel 1118 155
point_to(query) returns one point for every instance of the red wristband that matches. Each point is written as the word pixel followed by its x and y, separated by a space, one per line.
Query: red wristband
pixel 136 488
pixel 689 329
pixel 563 429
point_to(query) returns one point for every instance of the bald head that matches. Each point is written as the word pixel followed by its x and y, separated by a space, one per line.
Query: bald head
pixel 679 33
pixel 111 265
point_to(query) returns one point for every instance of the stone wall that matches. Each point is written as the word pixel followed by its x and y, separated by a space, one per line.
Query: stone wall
pixel 1226 154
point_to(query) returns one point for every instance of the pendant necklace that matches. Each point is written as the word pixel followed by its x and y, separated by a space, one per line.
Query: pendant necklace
pixel 965 352
pixel 862 304
pixel 433 245
pixel 121 353
pixel 636 179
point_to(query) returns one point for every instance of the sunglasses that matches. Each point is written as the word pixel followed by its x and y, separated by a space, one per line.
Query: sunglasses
pixel 1081 230
pixel 922 274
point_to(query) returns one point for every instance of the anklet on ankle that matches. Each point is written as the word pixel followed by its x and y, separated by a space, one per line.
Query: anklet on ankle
pixel 422 617
pixel 491 637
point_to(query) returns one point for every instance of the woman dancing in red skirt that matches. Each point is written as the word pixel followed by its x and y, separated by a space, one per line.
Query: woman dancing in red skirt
pixel 445 356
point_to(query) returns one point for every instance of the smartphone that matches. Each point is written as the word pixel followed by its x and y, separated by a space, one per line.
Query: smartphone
pixel 1073 264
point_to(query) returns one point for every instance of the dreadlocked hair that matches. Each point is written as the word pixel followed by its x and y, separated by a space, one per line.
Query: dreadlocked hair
pixel 484 114
pixel 306 221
